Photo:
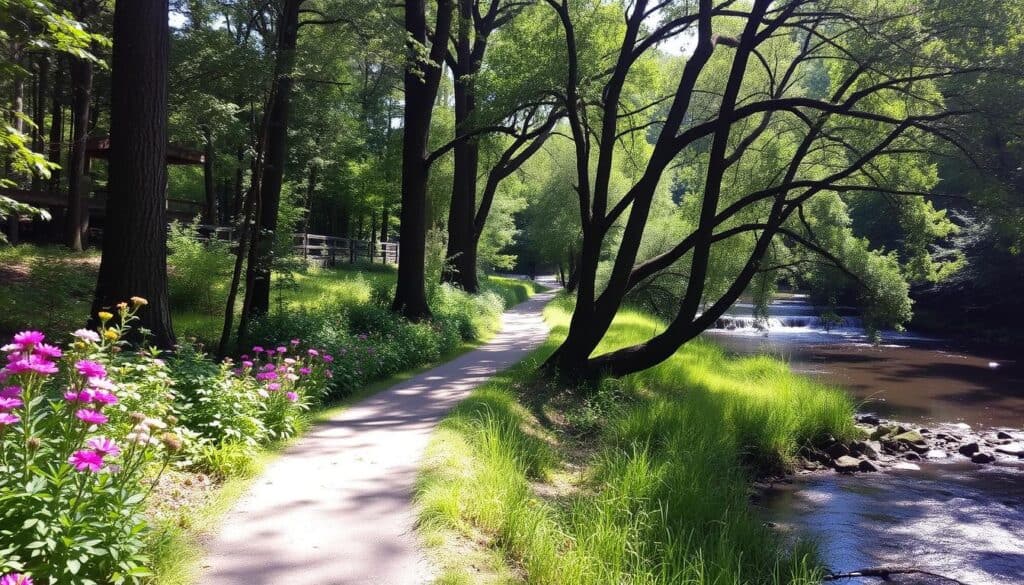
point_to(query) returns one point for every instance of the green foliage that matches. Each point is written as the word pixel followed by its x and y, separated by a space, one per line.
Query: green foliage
pixel 198 270
pixel 662 495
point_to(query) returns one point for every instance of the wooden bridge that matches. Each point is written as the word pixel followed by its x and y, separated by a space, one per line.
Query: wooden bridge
pixel 321 250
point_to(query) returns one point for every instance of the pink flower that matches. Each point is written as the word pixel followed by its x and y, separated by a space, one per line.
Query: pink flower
pixel 282 349
pixel 10 392
pixel 312 352
pixel 91 369
pixel 289 361
pixel 328 358
pixel 244 356
pixel 104 446
pixel 273 386
pixel 292 397
pixel 32 363
pixel 16 579
pixel 247 364
pixel 86 460
pixel 257 349
pixel 104 397
pixel 9 403
pixel 7 418
pixel 48 351
pixel 268 367
pixel 266 376
pixel 91 417
pixel 305 371
pixel 296 342
pixel 87 335
pixel 270 353
pixel 292 377
pixel 29 338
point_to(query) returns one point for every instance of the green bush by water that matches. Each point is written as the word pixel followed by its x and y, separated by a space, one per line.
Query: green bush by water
pixel 662 497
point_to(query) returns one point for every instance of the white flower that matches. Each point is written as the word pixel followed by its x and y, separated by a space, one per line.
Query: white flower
pixel 87 335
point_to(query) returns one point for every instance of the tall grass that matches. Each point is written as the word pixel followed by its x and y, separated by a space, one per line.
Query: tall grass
pixel 656 492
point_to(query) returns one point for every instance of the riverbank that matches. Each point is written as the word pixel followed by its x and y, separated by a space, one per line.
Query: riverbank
pixel 646 481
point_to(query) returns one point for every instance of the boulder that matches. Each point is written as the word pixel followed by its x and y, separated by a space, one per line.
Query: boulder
pixel 982 458
pixel 846 464
pixel 837 450
pixel 1003 435
pixel 969 449
pixel 1015 449
pixel 867 466
pixel 936 454
pixel 906 466
pixel 910 437
pixel 912 456
pixel 868 449
pixel 881 431
pixel 868 419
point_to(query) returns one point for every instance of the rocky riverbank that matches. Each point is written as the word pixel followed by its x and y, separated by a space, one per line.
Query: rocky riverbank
pixel 891 444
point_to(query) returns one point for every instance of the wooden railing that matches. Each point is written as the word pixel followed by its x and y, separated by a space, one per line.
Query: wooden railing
pixel 321 250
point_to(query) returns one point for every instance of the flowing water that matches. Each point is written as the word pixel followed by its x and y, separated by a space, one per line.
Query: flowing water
pixel 950 517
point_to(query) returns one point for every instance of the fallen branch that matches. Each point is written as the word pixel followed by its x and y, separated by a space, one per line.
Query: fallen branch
pixel 884 573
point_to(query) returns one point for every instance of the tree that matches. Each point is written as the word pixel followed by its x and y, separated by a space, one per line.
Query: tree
pixel 77 219
pixel 134 259
pixel 425 55
pixel 774 152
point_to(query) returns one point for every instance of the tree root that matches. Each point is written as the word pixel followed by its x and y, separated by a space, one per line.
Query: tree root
pixel 884 573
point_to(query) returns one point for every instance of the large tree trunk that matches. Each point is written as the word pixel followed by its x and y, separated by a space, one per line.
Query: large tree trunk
pixel 420 82
pixel 209 185
pixel 135 240
pixel 258 273
pixel 78 207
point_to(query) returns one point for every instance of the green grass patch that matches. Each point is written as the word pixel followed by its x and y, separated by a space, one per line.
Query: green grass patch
pixel 644 482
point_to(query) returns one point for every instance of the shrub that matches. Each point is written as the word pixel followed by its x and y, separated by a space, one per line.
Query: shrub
pixel 72 483
pixel 197 270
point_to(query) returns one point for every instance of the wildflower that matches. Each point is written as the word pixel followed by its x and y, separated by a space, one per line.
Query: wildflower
pixel 266 376
pixel 91 417
pixel 292 377
pixel 87 335
pixel 16 579
pixel 268 367
pixel 282 349
pixel 27 339
pixel 104 446
pixel 155 423
pixel 136 417
pixel 273 386
pixel 10 392
pixel 48 351
pixel 289 361
pixel 7 418
pixel 9 403
pixel 102 384
pixel 34 443
pixel 32 363
pixel 305 371
pixel 171 442
pixel 312 352
pixel 122 305
pixel 139 301
pixel 104 397
pixel 111 334
pixel 91 369
pixel 292 397
pixel 86 460
pixel 140 439
pixel 257 349
pixel 105 316
pixel 328 358
pixel 247 364
pixel 296 342
pixel 270 353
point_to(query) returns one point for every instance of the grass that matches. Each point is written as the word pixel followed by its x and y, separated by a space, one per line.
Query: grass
pixel 178 541
pixel 644 482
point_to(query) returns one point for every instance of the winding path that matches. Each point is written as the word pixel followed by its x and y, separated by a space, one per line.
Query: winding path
pixel 336 507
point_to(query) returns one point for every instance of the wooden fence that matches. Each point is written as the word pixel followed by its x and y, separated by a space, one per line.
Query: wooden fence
pixel 321 250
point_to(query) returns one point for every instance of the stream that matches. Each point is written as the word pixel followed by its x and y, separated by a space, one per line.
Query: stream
pixel 950 516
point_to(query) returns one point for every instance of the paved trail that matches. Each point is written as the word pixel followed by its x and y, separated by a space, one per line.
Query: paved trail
pixel 336 507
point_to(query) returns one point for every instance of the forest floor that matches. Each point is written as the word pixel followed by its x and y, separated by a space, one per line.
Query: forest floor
pixel 336 506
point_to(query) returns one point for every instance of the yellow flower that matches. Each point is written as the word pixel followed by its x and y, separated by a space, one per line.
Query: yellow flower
pixel 111 334
pixel 105 316
pixel 139 301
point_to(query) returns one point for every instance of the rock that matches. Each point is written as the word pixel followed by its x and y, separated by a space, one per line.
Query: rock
pixel 868 449
pixel 881 431
pixel 837 450
pixel 906 466
pixel 969 449
pixel 868 419
pixel 1015 449
pixel 867 466
pixel 982 458
pixel 936 454
pixel 962 426
pixel 900 429
pixel 912 456
pixel 846 464
pixel 924 431
pixel 1003 435
pixel 910 437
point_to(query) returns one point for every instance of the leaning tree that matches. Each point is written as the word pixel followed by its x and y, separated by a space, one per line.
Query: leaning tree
pixel 777 107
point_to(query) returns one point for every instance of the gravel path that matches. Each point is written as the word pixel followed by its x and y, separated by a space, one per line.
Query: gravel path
pixel 336 507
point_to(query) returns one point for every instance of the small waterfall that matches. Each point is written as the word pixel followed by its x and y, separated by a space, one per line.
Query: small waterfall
pixel 793 323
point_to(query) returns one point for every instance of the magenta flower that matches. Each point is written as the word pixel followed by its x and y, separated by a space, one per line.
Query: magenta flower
pixel 10 392
pixel 86 460
pixel 296 342
pixel 32 363
pixel 244 356
pixel 273 386
pixel 15 579
pixel 9 403
pixel 292 397
pixel 29 338
pixel 104 397
pixel 266 376
pixel 268 367
pixel 305 371
pixel 282 349
pixel 48 351
pixel 247 364
pixel 270 353
pixel 313 352
pixel 91 417
pixel 87 335
pixel 328 358
pixel 104 446
pixel 91 369
pixel 257 349
pixel 7 418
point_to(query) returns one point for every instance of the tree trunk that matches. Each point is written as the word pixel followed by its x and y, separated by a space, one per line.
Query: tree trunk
pixel 209 184
pixel 39 114
pixel 78 207
pixel 135 243
pixel 17 108
pixel 384 220
pixel 420 82
pixel 258 277
pixel 56 129
pixel 236 201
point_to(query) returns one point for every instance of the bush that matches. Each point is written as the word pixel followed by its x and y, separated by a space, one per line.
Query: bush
pixel 197 270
